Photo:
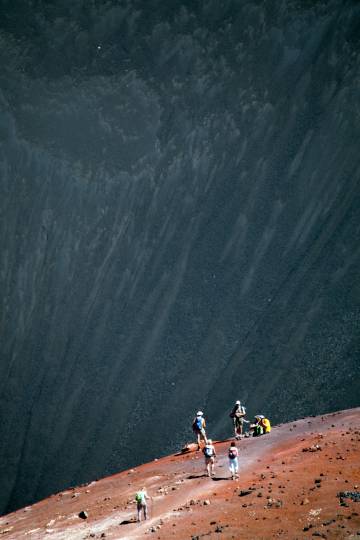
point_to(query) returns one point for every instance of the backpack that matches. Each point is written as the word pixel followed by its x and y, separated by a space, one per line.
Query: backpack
pixel 198 423
pixel 232 453
pixel 208 451
pixel 139 497
pixel 238 413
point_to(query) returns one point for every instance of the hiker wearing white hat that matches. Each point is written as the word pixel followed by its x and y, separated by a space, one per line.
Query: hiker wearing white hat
pixel 238 417
pixel 198 427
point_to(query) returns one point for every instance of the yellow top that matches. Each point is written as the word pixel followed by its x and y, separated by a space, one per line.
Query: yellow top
pixel 266 425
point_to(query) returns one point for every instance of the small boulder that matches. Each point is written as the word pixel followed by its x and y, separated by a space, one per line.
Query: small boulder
pixel 83 514
pixel 245 492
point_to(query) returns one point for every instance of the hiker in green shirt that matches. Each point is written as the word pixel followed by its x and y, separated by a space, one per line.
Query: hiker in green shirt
pixel 141 504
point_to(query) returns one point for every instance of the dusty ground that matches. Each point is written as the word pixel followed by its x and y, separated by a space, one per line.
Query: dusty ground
pixel 288 488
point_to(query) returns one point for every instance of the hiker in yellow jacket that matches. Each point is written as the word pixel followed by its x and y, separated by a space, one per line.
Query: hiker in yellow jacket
pixel 265 422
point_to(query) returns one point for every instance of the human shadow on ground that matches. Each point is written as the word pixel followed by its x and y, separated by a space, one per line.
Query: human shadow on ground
pixel 128 521
pixel 217 478
pixel 194 476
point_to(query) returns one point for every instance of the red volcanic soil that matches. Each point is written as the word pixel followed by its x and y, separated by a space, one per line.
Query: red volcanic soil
pixel 288 488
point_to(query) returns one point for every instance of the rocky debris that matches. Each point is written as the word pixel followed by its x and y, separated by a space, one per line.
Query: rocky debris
pixel 83 514
pixel 7 530
pixel 206 502
pixel 155 528
pixel 245 492
pixel 353 495
pixel 190 447
pixel 305 501
pixel 274 503
pixel 328 522
pixel 313 448
pixel 321 535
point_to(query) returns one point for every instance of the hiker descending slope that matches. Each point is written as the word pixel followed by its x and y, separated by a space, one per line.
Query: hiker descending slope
pixel 210 455
pixel 199 428
pixel 141 504
pixel 233 460
pixel 238 416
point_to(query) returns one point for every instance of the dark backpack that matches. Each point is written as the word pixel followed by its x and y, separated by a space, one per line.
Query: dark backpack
pixel 197 425
pixel 232 454
pixel 208 451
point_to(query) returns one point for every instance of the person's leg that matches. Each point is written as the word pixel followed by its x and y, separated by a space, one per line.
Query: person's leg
pixel 203 434
pixel 231 468
pixel 212 462
pixel 236 467
pixel 138 508
pixel 145 511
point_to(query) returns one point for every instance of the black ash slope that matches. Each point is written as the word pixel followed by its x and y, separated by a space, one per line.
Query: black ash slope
pixel 180 213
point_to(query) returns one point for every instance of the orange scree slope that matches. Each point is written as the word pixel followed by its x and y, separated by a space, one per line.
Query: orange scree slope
pixel 288 488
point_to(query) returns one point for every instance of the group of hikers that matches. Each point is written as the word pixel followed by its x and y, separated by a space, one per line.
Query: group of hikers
pixel 260 426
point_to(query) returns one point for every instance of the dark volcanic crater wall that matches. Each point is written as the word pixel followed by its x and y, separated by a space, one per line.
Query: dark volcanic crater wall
pixel 180 225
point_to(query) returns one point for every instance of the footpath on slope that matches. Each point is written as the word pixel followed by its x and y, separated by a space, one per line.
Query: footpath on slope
pixel 288 488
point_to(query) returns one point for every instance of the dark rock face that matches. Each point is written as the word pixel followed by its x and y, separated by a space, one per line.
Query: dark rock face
pixel 180 225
